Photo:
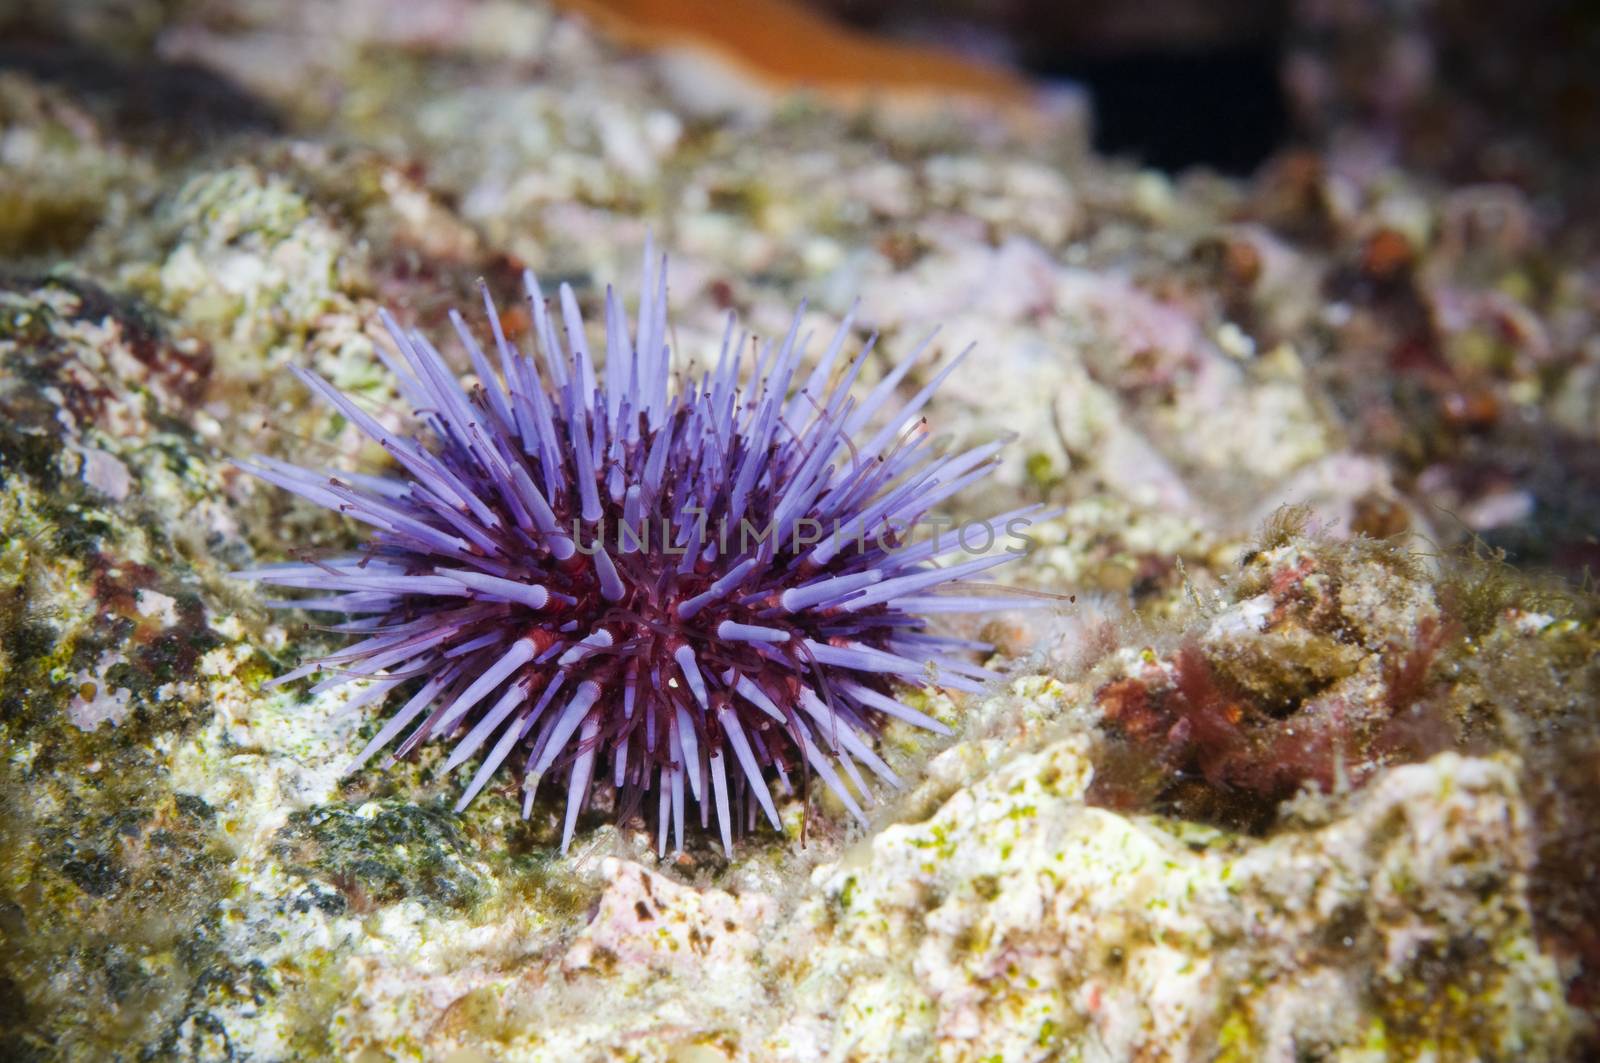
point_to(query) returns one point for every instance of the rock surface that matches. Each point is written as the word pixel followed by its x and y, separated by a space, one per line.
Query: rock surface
pixel 1274 784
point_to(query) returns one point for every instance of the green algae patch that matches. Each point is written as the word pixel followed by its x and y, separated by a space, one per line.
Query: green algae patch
pixel 108 894
pixel 381 852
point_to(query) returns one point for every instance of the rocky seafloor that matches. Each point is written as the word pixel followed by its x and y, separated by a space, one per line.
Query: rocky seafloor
pixel 1307 768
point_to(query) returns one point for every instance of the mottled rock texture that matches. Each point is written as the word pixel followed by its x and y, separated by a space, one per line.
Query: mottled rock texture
pixel 1303 783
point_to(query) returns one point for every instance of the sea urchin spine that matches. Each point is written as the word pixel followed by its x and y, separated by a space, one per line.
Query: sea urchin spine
pixel 630 580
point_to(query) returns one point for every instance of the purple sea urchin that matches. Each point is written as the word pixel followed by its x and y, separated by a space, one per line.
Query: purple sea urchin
pixel 632 583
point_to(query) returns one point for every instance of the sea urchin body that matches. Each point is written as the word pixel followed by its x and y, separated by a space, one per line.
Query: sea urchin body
pixel 676 585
